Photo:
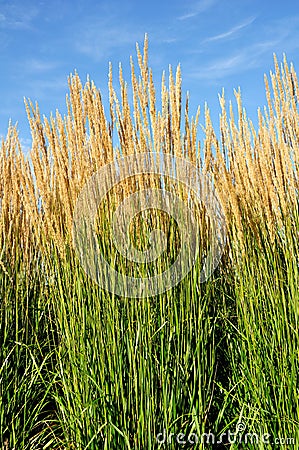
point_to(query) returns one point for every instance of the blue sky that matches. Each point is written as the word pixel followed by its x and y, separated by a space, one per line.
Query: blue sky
pixel 219 44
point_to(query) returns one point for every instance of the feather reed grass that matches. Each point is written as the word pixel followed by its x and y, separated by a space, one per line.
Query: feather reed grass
pixel 81 368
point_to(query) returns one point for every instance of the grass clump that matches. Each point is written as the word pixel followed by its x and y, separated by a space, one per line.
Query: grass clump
pixel 84 368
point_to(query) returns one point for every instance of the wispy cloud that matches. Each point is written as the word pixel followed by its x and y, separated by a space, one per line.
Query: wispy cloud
pixel 38 65
pixel 18 16
pixel 26 144
pixel 169 40
pixel 199 8
pixel 219 68
pixel 40 89
pixel 245 59
pixel 249 52
pixel 99 39
pixel 232 31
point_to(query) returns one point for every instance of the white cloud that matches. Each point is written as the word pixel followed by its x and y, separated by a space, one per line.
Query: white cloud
pixel 41 88
pixel 248 52
pixel 232 31
pixel 26 145
pixel 17 16
pixel 38 65
pixel 99 39
pixel 199 8
pixel 169 40
pixel 220 67
pixel 247 58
